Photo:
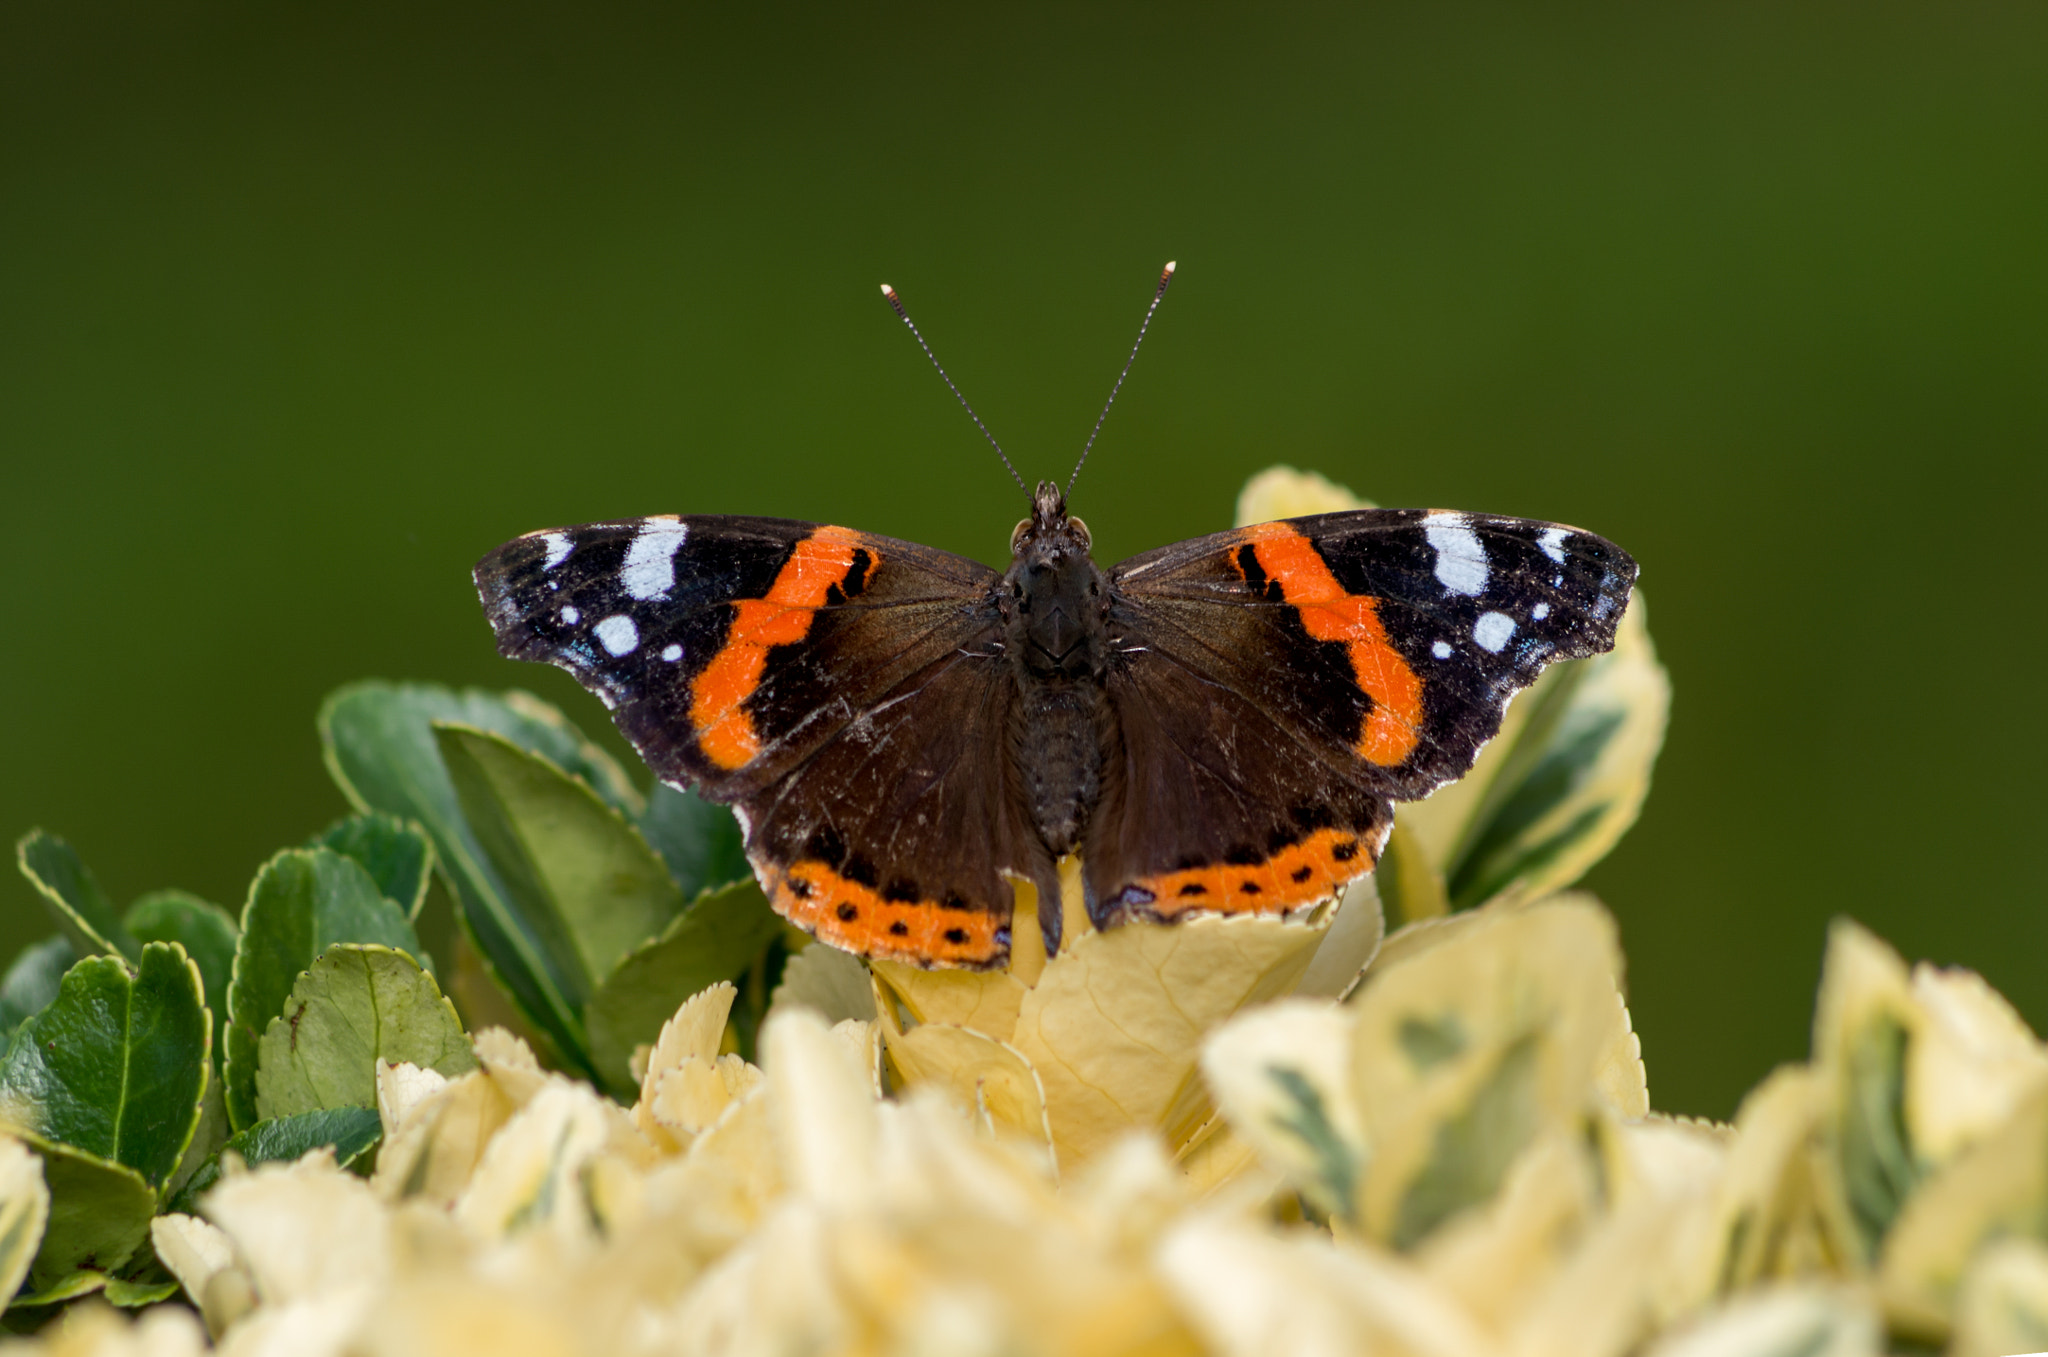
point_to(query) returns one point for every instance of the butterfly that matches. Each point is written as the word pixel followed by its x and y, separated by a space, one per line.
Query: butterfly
pixel 1219 726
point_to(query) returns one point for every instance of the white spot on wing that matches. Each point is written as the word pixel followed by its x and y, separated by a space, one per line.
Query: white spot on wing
pixel 1540 611
pixel 671 652
pixel 618 634
pixel 558 549
pixel 1442 650
pixel 1552 542
pixel 650 568
pixel 1491 631
pixel 1460 559
pixel 571 616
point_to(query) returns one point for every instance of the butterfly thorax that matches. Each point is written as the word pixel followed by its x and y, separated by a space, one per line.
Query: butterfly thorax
pixel 1055 604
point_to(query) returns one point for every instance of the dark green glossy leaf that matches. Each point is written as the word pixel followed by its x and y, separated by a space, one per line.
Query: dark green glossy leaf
pixel 206 1141
pixel 396 853
pixel 716 939
pixel 32 980
pixel 99 1216
pixel 305 901
pixel 577 874
pixel 70 1286
pixel 355 1006
pixel 206 932
pixel 379 744
pixel 699 840
pixel 115 1066
pixel 353 1132
pixel 74 899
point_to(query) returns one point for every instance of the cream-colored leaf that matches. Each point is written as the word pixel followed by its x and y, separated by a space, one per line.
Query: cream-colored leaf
pixel 93 1330
pixel 1467 1051
pixel 1115 1025
pixel 982 1076
pixel 1251 1293
pixel 1495 1259
pixel 822 1110
pixel 1793 1321
pixel 305 1229
pixel 1350 945
pixel 2004 1304
pixel 695 1032
pixel 691 1098
pixel 1281 1075
pixel 1575 777
pixel 432 1153
pixel 500 1049
pixel 24 1211
pixel 1282 492
pixel 202 1257
pixel 1971 1061
pixel 1997 1187
pixel 401 1088
pixel 529 1174
pixel 832 982
pixel 1623 1079
pixel 987 1001
pixel 1864 1021
pixel 1767 1222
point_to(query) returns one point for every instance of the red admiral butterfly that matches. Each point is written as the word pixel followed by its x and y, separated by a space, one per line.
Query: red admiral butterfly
pixel 1218 726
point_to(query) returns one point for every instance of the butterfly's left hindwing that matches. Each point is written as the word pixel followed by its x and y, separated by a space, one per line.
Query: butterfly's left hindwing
pixel 769 663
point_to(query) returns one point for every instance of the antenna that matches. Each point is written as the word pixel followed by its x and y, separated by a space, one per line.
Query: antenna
pixel 897 303
pixel 1165 277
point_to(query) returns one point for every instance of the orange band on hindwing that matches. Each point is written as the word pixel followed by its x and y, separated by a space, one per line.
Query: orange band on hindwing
pixel 725 729
pixel 861 919
pixel 1298 875
pixel 1394 726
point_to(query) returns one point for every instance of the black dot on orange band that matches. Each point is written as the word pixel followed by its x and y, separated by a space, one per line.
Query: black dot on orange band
pixel 1249 887
pixel 1303 873
pixel 956 936
pixel 1194 888
pixel 1345 851
pixel 900 929
pixel 800 888
pixel 847 913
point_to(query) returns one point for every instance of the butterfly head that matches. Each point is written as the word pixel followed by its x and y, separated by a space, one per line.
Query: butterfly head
pixel 1051 534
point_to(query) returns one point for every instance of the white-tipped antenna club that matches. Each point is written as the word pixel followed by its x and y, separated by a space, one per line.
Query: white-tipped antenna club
pixel 896 304
pixel 1165 277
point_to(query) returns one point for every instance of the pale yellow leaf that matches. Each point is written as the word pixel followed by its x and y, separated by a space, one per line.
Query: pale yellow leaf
pixel 1282 492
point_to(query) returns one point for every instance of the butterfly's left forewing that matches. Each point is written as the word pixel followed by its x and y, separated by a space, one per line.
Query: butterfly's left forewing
pixel 1279 685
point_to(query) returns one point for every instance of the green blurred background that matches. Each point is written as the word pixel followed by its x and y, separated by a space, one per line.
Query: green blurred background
pixel 303 308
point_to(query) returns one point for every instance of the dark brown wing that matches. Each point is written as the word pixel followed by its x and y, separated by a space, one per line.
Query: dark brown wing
pixel 840 689
pixel 1279 685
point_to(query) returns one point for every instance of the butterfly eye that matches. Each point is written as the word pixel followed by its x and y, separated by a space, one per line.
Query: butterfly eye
pixel 1081 531
pixel 1017 535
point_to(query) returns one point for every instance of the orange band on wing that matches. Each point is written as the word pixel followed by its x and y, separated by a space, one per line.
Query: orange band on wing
pixel 725 729
pixel 849 915
pixel 1395 724
pixel 1299 875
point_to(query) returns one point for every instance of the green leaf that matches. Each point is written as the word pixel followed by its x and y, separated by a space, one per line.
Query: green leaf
pixel 304 901
pixel 579 877
pixel 32 980
pixel 70 1286
pixel 698 839
pixel 715 939
pixel 99 1216
pixel 379 745
pixel 75 900
pixel 133 1295
pixel 115 1066
pixel 206 932
pixel 355 1006
pixel 1561 784
pixel 353 1132
pixel 396 853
